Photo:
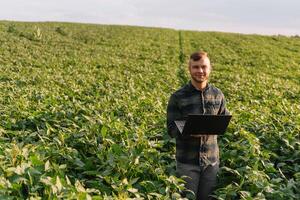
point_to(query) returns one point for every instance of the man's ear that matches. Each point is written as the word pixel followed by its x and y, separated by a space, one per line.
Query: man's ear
pixel 211 66
pixel 189 69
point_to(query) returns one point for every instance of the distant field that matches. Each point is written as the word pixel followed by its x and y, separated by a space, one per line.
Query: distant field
pixel 83 111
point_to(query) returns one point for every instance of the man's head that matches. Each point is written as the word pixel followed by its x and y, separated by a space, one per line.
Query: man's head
pixel 199 66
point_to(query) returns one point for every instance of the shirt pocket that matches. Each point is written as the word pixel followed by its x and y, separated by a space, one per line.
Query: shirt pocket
pixel 212 106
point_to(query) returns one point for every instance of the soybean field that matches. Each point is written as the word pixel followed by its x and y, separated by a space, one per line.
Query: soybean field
pixel 83 111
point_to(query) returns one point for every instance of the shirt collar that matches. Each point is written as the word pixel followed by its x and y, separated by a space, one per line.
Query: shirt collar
pixel 192 88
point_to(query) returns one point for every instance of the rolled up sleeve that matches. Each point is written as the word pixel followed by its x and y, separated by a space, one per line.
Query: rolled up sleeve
pixel 223 110
pixel 173 113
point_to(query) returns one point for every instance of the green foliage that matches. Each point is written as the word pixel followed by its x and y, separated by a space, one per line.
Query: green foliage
pixel 83 111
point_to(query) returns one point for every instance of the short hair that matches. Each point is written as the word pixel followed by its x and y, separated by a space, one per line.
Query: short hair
pixel 198 55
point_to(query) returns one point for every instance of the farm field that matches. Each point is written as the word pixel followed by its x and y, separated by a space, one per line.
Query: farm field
pixel 83 111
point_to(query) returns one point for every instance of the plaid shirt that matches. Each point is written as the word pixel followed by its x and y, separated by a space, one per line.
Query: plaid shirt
pixel 204 150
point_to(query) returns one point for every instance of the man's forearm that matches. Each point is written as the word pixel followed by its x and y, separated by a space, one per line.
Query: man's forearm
pixel 173 130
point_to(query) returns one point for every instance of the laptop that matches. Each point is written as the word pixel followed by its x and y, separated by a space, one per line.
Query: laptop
pixel 203 124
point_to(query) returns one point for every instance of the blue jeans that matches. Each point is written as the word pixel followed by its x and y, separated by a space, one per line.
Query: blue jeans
pixel 200 180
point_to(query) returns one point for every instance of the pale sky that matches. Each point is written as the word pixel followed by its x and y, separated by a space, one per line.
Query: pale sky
pixel 269 17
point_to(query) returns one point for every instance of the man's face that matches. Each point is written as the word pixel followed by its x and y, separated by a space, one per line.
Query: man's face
pixel 200 69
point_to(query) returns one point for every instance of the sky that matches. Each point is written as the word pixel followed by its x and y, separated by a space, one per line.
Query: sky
pixel 268 17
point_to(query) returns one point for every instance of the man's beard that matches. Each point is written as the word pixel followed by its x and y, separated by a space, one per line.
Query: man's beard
pixel 199 81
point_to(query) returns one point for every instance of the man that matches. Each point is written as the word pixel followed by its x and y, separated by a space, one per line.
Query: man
pixel 197 156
